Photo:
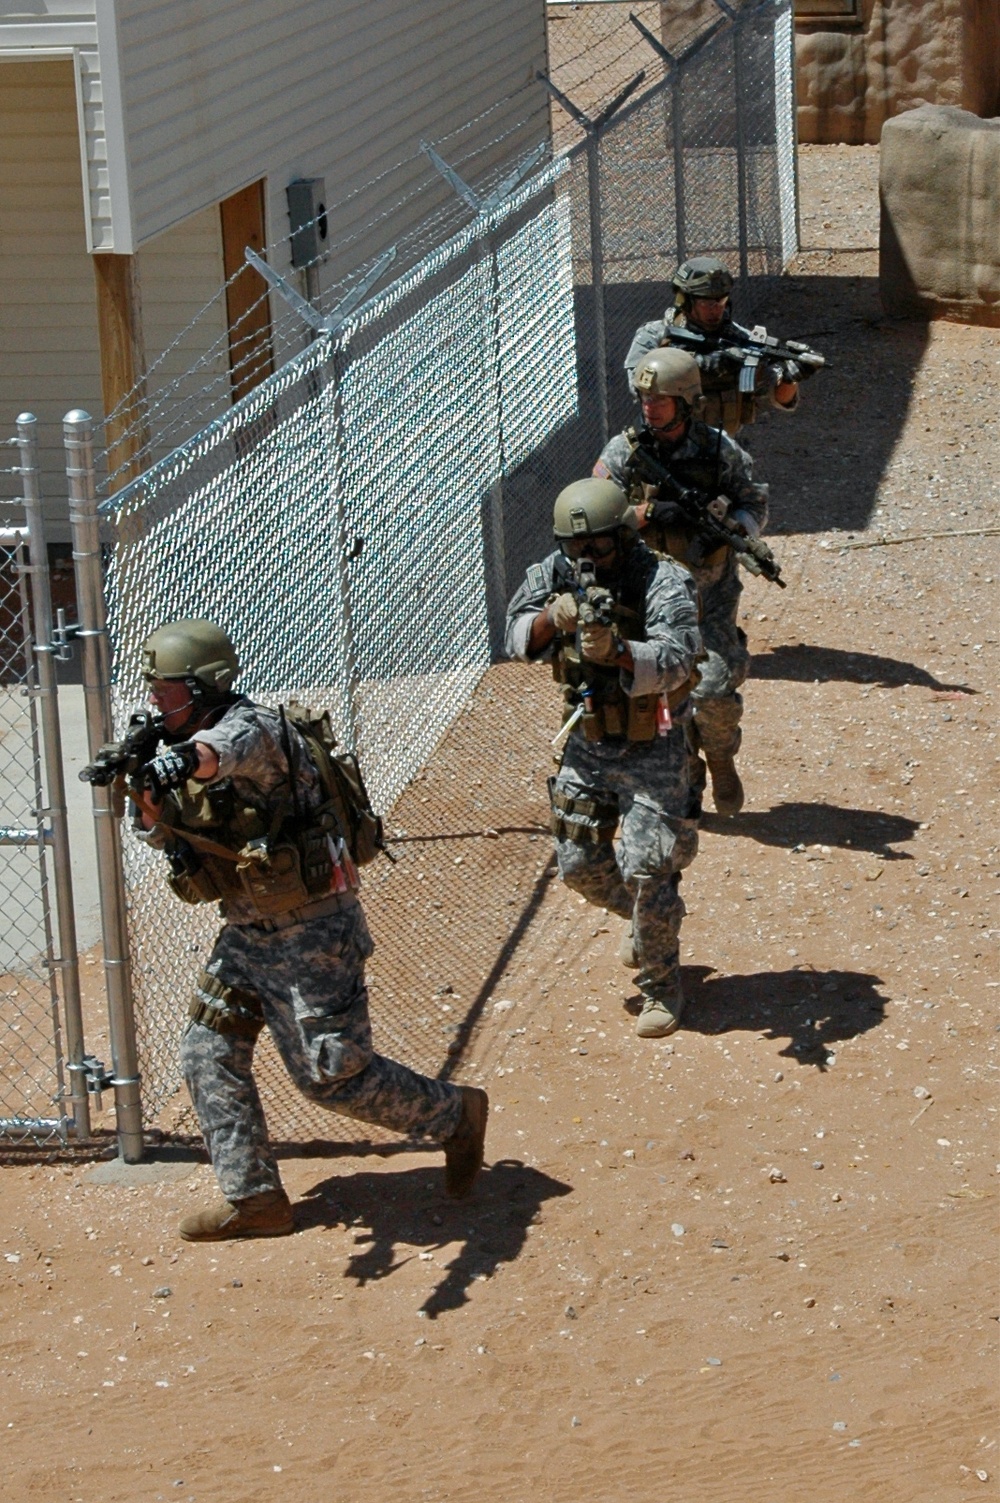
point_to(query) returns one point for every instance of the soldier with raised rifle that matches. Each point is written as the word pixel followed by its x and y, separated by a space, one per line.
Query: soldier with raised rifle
pixel 695 501
pixel 743 371
pixel 257 812
pixel 620 628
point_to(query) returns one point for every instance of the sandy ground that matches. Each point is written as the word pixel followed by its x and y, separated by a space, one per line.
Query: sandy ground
pixel 755 1261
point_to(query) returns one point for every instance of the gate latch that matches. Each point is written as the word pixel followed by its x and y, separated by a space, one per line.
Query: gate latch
pixel 98 1078
pixel 63 636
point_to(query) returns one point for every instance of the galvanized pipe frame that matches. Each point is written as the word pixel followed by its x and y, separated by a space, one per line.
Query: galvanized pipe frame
pixel 93 635
pixel 21 1127
pixel 65 963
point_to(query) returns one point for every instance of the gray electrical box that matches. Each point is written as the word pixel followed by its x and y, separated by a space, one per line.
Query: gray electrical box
pixel 307 215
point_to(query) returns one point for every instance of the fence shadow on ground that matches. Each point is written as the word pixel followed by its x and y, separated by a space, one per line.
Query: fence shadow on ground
pixel 813 1009
pixel 797 823
pixel 824 463
pixel 809 663
pixel 397 1216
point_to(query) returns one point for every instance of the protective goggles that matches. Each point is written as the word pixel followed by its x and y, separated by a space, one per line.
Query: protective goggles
pixel 587 546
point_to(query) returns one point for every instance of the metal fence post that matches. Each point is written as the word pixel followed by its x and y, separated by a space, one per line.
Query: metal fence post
pixel 597 278
pixel 66 962
pixel 345 552
pixel 93 635
pixel 741 144
pixel 677 125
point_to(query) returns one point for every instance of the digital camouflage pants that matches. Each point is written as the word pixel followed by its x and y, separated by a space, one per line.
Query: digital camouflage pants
pixel 646 787
pixel 718 706
pixel 307 984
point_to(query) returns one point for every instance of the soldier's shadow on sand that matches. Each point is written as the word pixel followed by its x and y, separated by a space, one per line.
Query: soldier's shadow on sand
pixel 819 824
pixel 807 663
pixel 813 1009
pixel 395 1217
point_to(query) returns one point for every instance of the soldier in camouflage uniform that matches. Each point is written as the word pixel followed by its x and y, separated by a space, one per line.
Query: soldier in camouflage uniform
pixel 708 460
pixel 624 646
pixel 237 803
pixel 702 288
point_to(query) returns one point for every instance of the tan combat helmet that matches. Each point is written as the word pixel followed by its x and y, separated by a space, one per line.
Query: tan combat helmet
pixel 702 276
pixel 668 373
pixel 195 650
pixel 588 507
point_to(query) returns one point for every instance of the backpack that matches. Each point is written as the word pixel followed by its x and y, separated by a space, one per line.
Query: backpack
pixel 341 781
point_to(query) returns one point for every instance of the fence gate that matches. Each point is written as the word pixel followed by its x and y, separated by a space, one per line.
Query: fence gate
pixel 44 1075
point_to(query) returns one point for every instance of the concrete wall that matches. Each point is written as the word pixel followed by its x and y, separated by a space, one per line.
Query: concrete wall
pixel 856 73
pixel 939 186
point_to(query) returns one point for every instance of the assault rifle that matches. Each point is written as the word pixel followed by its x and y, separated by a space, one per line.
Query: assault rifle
pixel 753 553
pixel 597 604
pixel 748 349
pixel 123 759
pixel 595 607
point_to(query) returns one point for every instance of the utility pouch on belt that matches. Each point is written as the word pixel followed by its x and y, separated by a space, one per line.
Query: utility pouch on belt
pixel 572 816
pixel 642 717
pixel 226 1009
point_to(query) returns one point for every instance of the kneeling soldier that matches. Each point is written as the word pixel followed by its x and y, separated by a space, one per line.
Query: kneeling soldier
pixel 620 627
pixel 246 809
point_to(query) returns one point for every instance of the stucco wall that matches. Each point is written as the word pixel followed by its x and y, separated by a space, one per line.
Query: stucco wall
pixel 897 55
pixel 939 185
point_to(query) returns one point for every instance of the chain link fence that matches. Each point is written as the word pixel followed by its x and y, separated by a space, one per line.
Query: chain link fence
pixel 32 1081
pixel 360 519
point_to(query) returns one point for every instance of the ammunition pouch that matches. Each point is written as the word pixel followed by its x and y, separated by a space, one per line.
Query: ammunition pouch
pixel 571 814
pixel 276 870
pixel 194 886
pixel 226 1009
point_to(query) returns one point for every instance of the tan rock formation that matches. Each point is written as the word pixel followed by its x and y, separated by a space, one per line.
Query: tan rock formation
pixel 939 250
pixel 861 62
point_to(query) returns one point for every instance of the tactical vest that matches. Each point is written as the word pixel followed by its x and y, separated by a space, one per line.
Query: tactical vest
pixel 610 713
pixel 725 406
pixel 699 472
pixel 221 847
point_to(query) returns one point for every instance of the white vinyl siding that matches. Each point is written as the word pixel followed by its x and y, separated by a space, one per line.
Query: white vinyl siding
pixel 49 343
pixel 49 357
pixel 216 98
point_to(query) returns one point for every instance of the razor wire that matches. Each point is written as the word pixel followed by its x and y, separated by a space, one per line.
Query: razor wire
pixel 358 521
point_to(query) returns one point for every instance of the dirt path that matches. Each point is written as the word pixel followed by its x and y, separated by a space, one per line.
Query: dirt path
pixel 753 1262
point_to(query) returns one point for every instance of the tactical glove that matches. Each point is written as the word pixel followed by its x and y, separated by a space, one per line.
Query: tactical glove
pixel 563 612
pixel 599 644
pixel 715 363
pixel 170 770
pixel 667 514
pixel 745 522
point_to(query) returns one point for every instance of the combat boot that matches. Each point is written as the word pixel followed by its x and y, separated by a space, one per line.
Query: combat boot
pixel 463 1151
pixel 268 1214
pixel 626 950
pixel 727 790
pixel 658 1018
